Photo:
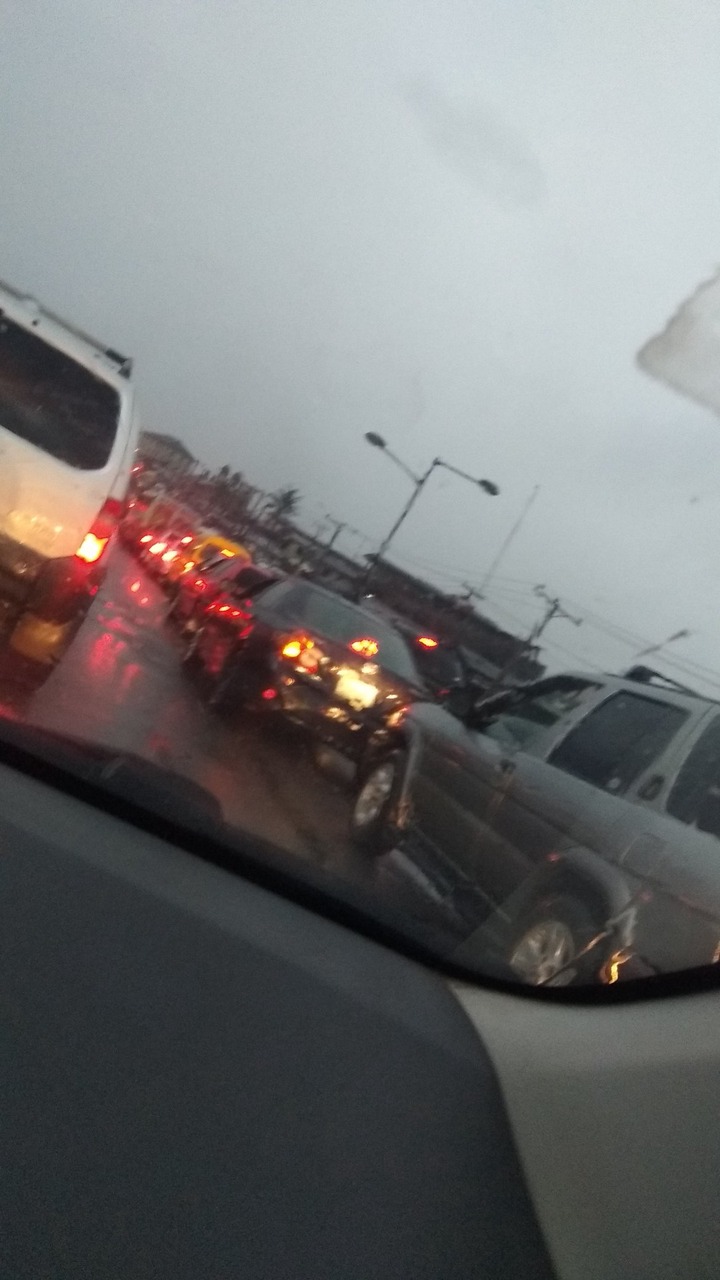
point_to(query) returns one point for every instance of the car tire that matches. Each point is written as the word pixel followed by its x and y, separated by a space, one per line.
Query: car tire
pixel 547 947
pixel 373 821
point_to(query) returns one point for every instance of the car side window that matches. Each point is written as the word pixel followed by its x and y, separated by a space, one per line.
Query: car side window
pixel 695 797
pixel 533 714
pixel 618 740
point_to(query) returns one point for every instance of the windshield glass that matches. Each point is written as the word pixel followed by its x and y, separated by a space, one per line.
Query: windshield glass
pixel 395 535
pixel 53 402
pixel 332 618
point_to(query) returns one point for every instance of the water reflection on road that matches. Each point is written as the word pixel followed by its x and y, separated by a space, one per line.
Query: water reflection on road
pixel 122 684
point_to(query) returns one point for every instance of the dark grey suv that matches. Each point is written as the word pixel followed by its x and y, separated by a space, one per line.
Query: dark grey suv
pixel 568 830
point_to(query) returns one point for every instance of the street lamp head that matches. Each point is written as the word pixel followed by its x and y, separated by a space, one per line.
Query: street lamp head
pixel 373 438
pixel 489 487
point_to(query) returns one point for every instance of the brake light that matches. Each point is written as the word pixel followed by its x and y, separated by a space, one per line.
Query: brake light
pixel 184 542
pixel 427 642
pixel 98 535
pixel 366 646
pixel 147 537
pixel 91 548
pixel 157 547
pixel 301 651
pixel 169 556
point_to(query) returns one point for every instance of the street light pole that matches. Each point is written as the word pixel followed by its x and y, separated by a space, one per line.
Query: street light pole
pixel 655 648
pixel 419 483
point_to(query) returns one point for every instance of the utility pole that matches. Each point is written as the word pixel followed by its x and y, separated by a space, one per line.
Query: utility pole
pixel 553 610
pixel 339 526
pixel 471 594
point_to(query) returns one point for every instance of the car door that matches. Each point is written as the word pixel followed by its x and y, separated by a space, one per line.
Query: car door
pixel 462 776
pixel 570 792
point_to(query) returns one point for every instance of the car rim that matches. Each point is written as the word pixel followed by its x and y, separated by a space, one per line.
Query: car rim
pixel 544 954
pixel 374 794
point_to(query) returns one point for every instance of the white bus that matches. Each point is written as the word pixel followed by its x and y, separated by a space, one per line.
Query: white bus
pixel 67 438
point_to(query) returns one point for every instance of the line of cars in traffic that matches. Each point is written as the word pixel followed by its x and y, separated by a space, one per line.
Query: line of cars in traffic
pixel 565 832
pixel 285 645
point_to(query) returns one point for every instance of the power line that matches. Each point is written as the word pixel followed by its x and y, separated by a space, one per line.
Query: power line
pixel 510 537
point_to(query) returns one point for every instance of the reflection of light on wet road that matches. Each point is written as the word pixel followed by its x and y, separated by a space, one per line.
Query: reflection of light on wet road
pixel 121 684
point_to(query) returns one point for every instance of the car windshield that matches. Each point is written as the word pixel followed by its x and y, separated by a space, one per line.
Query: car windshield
pixel 389 547
pixel 335 619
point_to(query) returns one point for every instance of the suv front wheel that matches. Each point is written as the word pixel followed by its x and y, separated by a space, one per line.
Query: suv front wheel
pixel 549 948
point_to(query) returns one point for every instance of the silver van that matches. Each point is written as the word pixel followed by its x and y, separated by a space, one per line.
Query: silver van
pixel 570 830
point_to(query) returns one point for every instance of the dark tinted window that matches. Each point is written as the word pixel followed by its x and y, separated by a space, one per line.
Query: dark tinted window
pixel 532 714
pixel 248 579
pixel 53 402
pixel 694 798
pixel 336 619
pixel 617 741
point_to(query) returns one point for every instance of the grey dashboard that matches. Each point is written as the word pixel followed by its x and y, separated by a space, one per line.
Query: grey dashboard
pixel 201 1078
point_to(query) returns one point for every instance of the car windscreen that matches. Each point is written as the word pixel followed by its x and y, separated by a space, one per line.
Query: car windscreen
pixel 530 715
pixel 336 619
pixel 54 403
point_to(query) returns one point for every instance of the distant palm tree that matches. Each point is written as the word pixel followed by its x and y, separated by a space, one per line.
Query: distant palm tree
pixel 284 503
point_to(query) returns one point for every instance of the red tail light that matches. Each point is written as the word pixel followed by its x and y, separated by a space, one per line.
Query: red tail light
pixel 293 648
pixel 427 642
pixel 302 653
pixel 98 535
pixel 366 646
pixel 91 548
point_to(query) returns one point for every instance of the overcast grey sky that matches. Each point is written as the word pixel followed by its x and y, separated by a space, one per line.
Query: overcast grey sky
pixel 452 221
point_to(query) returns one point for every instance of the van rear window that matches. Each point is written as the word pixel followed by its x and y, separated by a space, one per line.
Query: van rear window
pixel 53 402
